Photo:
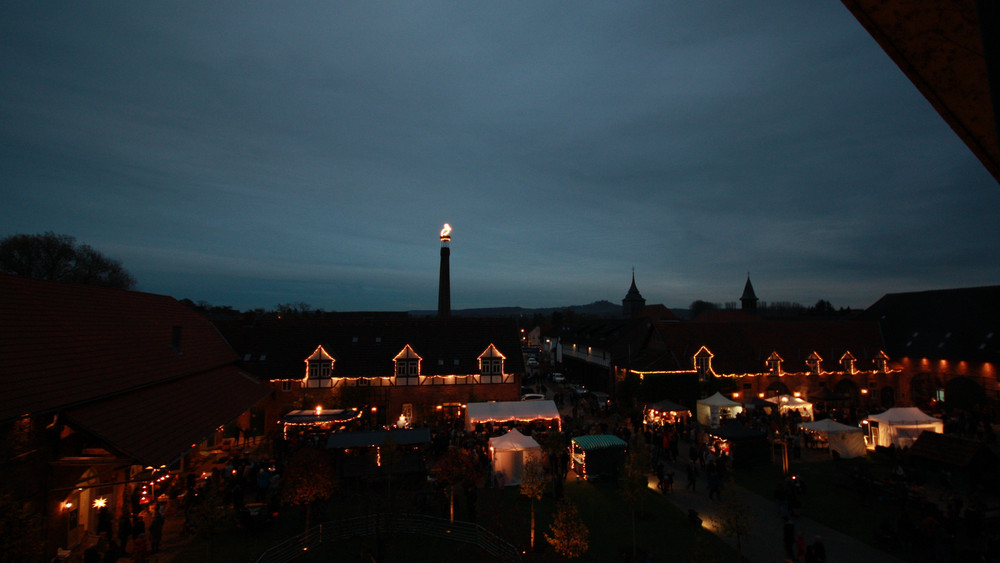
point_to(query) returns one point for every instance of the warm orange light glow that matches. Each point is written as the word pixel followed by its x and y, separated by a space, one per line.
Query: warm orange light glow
pixel 67 505
pixel 797 394
pixel 374 409
pixel 319 410
pixel 736 395
pixel 100 502
pixel 446 232
pixel 761 395
pixel 864 391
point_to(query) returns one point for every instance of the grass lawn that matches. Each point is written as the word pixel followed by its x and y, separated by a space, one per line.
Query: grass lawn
pixel 662 532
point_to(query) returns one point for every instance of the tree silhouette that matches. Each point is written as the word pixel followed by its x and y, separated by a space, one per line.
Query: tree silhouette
pixel 19 526
pixel 55 257
pixel 532 486
pixel 570 536
pixel 308 478
pixel 736 518
pixel 457 468
pixel 635 479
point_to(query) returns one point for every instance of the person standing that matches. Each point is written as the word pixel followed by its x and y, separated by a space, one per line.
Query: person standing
pixel 156 531
pixel 819 550
pixel 140 549
pixel 692 475
pixel 124 531
pixel 714 483
pixel 788 539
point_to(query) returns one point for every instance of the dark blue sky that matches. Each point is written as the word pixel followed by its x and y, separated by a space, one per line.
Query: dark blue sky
pixel 251 154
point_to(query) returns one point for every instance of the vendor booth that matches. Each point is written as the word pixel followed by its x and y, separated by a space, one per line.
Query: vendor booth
pixel 317 423
pixel 744 446
pixel 502 412
pixel 509 453
pixel 900 426
pixel 665 412
pixel 763 405
pixel 843 440
pixel 717 408
pixel 598 455
pixel 790 403
pixel 359 454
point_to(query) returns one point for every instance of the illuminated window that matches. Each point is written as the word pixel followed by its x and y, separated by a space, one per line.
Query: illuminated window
pixel 847 362
pixel 407 362
pixel 703 362
pixel 491 361
pixel 319 370
pixel 774 363
pixel 882 362
pixel 815 363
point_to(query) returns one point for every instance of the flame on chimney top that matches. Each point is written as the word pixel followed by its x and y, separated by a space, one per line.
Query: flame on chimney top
pixel 446 233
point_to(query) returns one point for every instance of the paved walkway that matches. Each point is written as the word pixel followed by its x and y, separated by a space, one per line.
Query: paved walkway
pixel 764 542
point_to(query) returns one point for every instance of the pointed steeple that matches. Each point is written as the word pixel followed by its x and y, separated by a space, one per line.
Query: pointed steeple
pixel 749 299
pixel 633 302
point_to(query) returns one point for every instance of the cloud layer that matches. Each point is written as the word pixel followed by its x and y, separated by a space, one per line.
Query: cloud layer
pixel 250 154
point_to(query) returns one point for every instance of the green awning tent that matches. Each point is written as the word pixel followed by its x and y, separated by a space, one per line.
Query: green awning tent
pixel 598 455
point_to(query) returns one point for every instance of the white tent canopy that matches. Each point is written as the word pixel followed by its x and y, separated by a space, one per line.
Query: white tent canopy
pixel 511 411
pixel 846 441
pixel 901 426
pixel 510 452
pixel 788 403
pixel 712 409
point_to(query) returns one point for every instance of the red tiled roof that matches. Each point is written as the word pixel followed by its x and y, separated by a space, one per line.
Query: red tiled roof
pixel 64 345
pixel 157 425
pixel 744 347
pixel 277 350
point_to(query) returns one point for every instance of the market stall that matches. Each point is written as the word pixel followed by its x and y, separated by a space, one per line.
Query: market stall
pixel 843 440
pixel 717 408
pixel 598 455
pixel 744 446
pixel 502 412
pixel 900 426
pixel 317 423
pixel 789 403
pixel 665 412
pixel 509 454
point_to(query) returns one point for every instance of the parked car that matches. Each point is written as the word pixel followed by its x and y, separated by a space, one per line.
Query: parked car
pixel 603 400
pixel 533 397
pixel 558 377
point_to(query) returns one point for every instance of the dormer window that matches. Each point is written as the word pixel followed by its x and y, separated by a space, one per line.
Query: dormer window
pixel 882 362
pixel 847 362
pixel 491 361
pixel 319 369
pixel 815 363
pixel 407 363
pixel 703 362
pixel 774 364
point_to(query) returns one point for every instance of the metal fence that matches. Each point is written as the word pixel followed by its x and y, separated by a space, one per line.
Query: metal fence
pixel 377 524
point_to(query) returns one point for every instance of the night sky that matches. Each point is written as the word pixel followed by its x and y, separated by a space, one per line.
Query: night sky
pixel 251 154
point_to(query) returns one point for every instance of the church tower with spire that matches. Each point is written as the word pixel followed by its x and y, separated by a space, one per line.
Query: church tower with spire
pixel 633 302
pixel 749 299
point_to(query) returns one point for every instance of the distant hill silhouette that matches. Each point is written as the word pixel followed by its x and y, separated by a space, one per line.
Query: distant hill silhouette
pixel 600 309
